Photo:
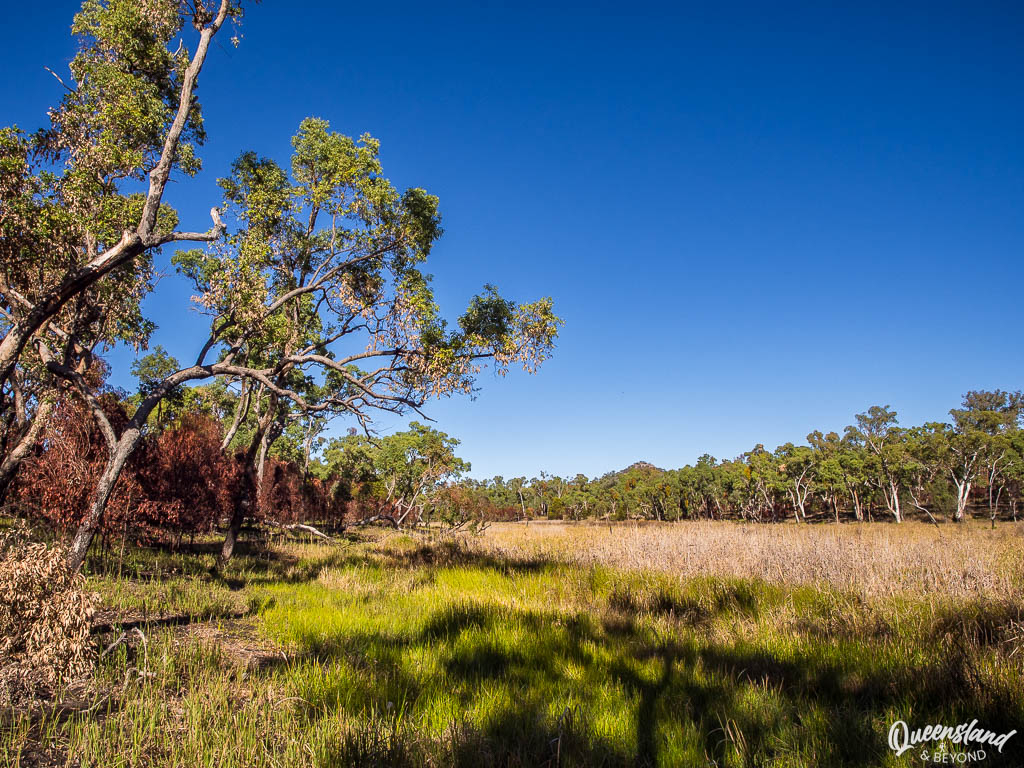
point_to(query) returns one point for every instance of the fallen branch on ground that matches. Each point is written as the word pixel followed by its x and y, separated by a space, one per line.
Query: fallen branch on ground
pixel 299 527
pixel 124 636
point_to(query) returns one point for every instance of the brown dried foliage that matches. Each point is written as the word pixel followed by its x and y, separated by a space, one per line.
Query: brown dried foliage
pixel 45 617
pixel 186 480
pixel 288 495
pixel 176 483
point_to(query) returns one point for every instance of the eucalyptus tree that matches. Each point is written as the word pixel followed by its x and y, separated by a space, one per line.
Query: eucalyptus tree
pixel 628 492
pixel 319 285
pixel 518 486
pixel 689 499
pixel 997 414
pixel 75 240
pixel 655 492
pixel 542 491
pixel 416 463
pixel 877 431
pixel 926 447
pixel 853 461
pixel 764 483
pixel 301 440
pixel 149 371
pixel 828 475
pixel 707 486
pixel 734 478
pixel 1013 473
pixel 977 439
pixel 703 489
pixel 579 497
pixel 1011 457
pixel 796 468
pixel 401 471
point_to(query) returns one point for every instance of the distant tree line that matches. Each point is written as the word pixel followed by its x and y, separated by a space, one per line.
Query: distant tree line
pixel 185 478
pixel 876 470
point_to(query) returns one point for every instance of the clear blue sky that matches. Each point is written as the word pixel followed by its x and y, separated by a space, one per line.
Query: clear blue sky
pixel 756 219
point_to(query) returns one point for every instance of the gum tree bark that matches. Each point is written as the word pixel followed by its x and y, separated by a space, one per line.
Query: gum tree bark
pixel 21 449
pixel 120 453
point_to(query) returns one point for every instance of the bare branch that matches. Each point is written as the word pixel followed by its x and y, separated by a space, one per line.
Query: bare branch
pixel 159 175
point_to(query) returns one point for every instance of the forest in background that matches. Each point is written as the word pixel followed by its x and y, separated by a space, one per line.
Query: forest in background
pixel 875 470
pixel 183 480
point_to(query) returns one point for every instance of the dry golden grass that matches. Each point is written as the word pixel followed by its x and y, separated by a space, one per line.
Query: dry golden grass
pixel 958 561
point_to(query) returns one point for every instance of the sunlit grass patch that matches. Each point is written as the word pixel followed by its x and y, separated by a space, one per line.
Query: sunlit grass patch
pixel 643 664
pixel 402 651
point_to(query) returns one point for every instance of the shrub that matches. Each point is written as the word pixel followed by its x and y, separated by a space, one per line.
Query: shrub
pixel 186 480
pixel 56 484
pixel 45 617
pixel 178 482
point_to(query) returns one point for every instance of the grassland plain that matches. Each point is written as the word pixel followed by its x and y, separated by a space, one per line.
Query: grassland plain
pixel 695 644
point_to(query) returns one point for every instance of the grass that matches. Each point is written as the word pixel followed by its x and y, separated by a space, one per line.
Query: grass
pixel 966 560
pixel 553 646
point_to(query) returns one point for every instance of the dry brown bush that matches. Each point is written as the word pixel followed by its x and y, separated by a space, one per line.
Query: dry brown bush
pixel 45 617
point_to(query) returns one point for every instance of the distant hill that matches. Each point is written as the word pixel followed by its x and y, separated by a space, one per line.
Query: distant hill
pixel 642 467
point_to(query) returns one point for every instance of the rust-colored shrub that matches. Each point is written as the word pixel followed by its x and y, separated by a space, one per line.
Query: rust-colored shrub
pixel 175 483
pixel 45 617
pixel 186 480
pixel 281 496
pixel 287 495
pixel 57 483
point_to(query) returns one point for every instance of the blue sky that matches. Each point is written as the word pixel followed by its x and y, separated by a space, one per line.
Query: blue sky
pixel 756 220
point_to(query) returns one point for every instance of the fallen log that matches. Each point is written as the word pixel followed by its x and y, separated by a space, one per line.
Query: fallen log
pixel 299 527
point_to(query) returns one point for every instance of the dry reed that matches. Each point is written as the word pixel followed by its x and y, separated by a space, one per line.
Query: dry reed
pixel 869 559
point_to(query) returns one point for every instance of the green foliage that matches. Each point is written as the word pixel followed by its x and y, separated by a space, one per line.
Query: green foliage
pixel 875 467
pixel 397 474
pixel 153 368
pixel 69 190
pixel 326 258
pixel 127 85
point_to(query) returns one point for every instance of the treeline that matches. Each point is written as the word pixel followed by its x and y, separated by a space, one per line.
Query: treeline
pixel 186 478
pixel 875 470
pixel 187 475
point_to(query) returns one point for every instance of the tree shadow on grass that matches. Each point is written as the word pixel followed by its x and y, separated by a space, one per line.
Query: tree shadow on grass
pixel 451 554
pixel 545 698
pixel 746 705
pixel 257 565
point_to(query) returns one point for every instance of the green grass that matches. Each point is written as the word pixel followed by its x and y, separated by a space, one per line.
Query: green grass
pixel 400 653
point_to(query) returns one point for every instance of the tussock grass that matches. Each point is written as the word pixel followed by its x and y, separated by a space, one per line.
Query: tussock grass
pixel 558 646
pixel 965 560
